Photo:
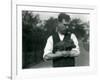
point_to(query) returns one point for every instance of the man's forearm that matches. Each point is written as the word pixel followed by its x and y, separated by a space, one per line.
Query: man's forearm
pixel 51 56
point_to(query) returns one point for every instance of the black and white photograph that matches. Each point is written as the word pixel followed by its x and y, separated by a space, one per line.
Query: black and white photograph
pixel 53 39
pixel 50 40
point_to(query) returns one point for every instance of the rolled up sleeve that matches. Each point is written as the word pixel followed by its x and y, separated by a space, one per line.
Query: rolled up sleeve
pixel 75 51
pixel 49 46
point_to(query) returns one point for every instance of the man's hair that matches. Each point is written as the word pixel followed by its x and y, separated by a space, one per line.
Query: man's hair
pixel 62 16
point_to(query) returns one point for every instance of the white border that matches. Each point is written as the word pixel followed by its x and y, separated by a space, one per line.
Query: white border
pixel 17 71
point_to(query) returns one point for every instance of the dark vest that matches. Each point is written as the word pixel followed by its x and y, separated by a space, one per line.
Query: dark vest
pixel 62 61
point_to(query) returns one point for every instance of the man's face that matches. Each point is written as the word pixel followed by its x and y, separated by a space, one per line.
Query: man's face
pixel 63 26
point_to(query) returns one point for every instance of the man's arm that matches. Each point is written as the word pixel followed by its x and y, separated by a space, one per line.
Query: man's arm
pixel 75 51
pixel 48 54
pixel 51 56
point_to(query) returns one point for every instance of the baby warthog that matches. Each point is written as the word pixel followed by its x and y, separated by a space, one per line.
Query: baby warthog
pixel 62 45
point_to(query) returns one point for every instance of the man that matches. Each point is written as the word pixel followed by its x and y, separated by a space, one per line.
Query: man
pixel 63 57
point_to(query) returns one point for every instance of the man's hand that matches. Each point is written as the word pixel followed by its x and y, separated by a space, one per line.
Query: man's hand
pixel 65 53
pixel 74 53
pixel 59 53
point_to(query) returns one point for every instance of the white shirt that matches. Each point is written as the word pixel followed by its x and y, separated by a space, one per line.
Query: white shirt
pixel 49 45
